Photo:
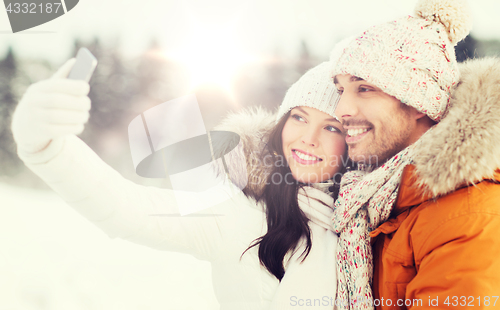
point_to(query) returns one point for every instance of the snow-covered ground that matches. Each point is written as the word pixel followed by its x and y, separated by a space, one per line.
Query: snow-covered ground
pixel 51 258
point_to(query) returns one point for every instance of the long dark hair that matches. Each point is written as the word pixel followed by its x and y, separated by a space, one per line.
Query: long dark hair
pixel 286 223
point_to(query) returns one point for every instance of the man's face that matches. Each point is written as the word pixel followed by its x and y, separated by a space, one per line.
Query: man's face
pixel 378 125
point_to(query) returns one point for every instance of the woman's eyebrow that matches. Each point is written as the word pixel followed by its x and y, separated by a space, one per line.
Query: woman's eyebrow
pixel 332 120
pixel 302 110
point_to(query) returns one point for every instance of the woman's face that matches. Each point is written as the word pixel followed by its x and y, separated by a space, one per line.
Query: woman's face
pixel 313 144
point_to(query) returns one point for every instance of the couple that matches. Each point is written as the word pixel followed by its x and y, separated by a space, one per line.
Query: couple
pixel 415 224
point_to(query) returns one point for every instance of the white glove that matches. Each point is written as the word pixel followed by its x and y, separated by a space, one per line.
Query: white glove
pixel 49 110
pixel 317 205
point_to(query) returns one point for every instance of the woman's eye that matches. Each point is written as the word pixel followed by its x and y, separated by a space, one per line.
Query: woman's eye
pixel 340 91
pixel 297 117
pixel 332 129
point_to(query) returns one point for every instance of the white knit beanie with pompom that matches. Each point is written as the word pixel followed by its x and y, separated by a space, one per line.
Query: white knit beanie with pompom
pixel 412 58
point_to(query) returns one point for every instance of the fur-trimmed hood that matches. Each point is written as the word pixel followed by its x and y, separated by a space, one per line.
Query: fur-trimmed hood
pixel 462 149
pixel 253 126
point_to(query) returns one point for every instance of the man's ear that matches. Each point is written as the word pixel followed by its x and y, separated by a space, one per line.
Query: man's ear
pixel 416 114
pixel 419 115
pixel 422 117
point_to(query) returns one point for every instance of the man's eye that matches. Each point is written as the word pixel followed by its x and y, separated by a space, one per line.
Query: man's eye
pixel 363 89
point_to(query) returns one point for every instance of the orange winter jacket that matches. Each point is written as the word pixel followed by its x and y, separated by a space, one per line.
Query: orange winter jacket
pixel 440 248
pixel 439 254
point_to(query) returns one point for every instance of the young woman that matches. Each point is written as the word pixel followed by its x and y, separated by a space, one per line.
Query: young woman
pixel 270 247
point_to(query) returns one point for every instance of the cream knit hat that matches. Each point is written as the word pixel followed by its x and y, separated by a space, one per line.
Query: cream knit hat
pixel 314 89
pixel 412 58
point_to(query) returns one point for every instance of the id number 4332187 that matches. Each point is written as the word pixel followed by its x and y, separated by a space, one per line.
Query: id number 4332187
pixel 471 301
pixel 33 8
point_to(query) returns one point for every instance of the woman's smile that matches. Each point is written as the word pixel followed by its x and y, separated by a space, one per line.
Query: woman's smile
pixel 313 144
pixel 305 158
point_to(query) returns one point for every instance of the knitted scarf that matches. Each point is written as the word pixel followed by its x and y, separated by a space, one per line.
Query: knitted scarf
pixel 365 201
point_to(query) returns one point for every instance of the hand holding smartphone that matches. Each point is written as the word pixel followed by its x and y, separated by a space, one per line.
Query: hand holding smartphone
pixel 84 65
pixel 34 131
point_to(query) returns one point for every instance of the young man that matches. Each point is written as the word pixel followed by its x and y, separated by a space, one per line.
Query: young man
pixel 427 195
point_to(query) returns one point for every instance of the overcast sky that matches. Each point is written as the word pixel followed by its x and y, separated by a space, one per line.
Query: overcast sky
pixel 253 27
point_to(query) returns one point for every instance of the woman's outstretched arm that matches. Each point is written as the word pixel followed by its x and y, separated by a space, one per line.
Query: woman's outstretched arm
pixel 44 126
pixel 123 209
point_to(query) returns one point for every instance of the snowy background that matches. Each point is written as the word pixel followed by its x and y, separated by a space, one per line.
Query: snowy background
pixel 52 258
pixel 230 54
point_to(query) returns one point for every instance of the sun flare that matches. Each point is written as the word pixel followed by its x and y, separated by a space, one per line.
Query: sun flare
pixel 212 55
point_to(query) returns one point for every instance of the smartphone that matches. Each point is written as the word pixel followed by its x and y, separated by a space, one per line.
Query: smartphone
pixel 84 66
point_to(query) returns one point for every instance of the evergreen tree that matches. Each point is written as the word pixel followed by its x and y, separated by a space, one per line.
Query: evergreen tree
pixel 466 49
pixel 159 79
pixel 279 77
pixel 112 87
pixel 9 162
pixel 150 71
pixel 305 61
pixel 489 48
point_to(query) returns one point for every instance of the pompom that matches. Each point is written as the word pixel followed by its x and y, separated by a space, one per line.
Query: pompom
pixel 339 48
pixel 453 14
